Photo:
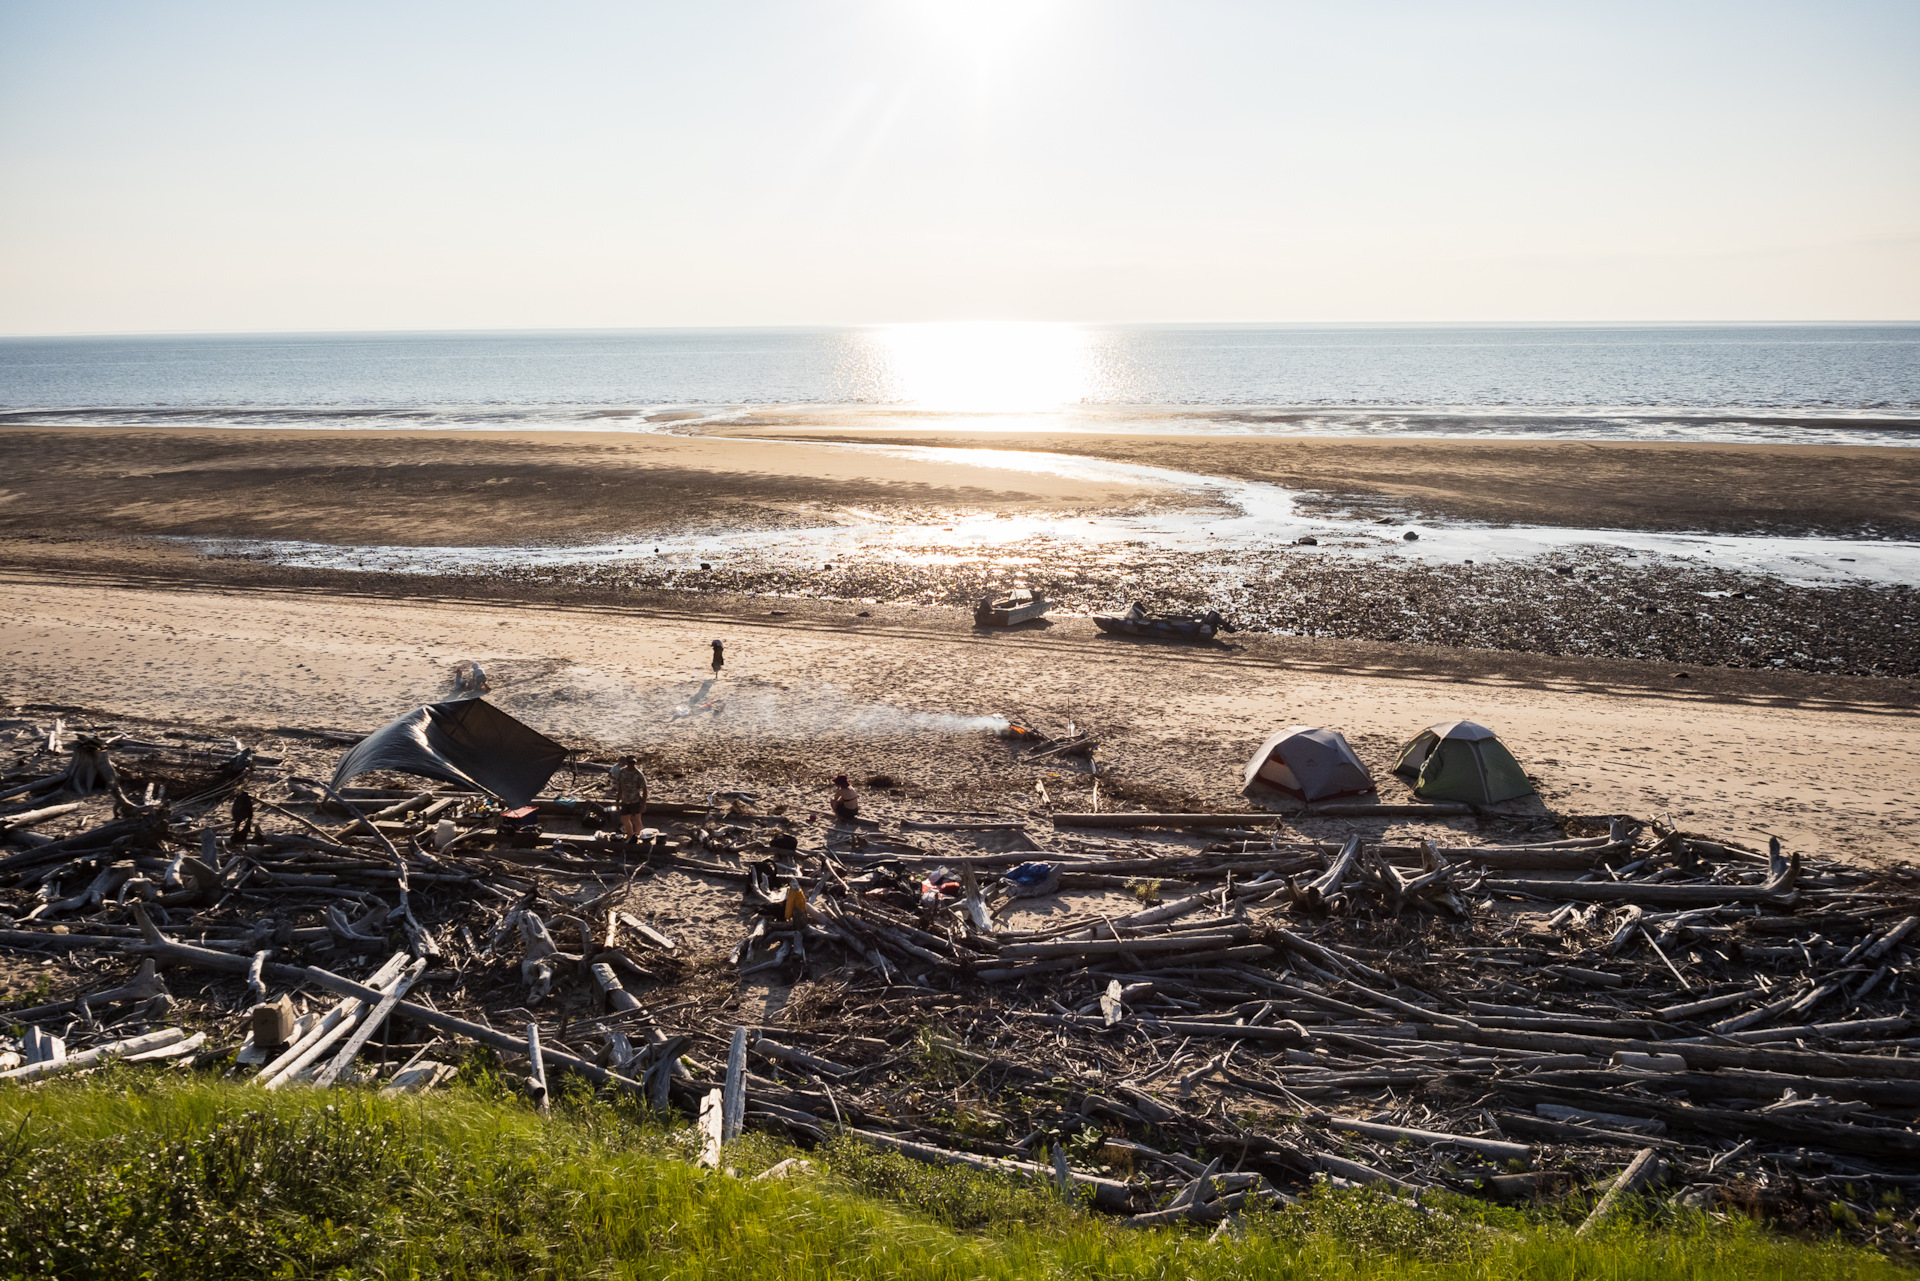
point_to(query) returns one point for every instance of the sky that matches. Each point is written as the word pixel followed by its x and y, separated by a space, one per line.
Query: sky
pixel 213 167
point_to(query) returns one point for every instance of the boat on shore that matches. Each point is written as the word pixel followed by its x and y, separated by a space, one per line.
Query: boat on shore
pixel 1187 627
pixel 1010 610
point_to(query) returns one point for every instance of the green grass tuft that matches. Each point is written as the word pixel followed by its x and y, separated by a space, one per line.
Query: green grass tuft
pixel 124 1175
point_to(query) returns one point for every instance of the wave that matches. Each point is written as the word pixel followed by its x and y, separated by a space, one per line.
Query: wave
pixel 1628 423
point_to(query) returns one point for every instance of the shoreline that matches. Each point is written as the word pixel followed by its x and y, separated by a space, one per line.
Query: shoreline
pixel 897 524
pixel 401 485
pixel 1344 420
pixel 1649 629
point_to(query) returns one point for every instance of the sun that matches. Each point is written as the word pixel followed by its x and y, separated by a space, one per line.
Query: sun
pixel 983 28
pixel 984 366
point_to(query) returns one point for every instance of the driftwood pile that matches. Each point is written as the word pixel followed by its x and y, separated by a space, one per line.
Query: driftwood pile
pixel 1201 1025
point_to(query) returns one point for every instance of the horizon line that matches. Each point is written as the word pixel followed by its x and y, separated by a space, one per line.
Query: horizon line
pixel 844 326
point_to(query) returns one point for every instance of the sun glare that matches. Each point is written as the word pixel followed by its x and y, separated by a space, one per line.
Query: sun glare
pixel 985 365
pixel 982 26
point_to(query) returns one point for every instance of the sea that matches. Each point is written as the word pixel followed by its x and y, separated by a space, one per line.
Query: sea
pixel 1790 384
pixel 1847 384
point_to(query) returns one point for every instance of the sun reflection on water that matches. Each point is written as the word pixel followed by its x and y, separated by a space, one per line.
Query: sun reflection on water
pixel 983 366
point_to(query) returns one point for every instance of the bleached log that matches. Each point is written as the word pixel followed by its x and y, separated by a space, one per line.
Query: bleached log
pixel 1644 1167
pixel 537 1069
pixel 1152 944
pixel 712 1129
pixel 1775 891
pixel 417 801
pixel 1359 1173
pixel 1495 1148
pixel 1261 817
pixel 1740 1022
pixel 100 1054
pixel 1169 911
pixel 172 1051
pixel 1605 1120
pixel 424 1075
pixel 1892 937
pixel 369 1025
pixel 256 981
pixel 1108 1194
pixel 41 1046
pixel 1329 884
pixel 337 1024
pixel 1853 1029
pixel 613 994
pixel 18 822
pixel 145 985
pixel 771 1049
pixel 645 931
pixel 733 1096
pixel 1700 1055
pixel 1689 1009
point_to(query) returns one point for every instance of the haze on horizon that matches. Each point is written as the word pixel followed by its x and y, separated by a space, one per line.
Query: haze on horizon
pixel 226 167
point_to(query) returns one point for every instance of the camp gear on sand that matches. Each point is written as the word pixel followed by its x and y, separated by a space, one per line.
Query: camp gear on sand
pixel 1462 761
pixel 1032 880
pixel 1311 764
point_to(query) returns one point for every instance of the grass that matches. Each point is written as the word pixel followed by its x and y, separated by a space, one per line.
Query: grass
pixel 126 1176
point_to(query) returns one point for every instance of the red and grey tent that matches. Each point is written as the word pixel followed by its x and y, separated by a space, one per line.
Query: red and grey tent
pixel 1312 764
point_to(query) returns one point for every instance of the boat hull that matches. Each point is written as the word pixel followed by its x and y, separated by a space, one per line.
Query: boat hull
pixel 986 615
pixel 1158 628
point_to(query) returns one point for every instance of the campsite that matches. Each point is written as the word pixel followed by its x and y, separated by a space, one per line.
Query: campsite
pixel 1415 977
pixel 900 640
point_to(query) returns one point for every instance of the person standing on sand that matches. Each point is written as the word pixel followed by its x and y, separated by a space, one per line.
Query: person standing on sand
pixel 846 802
pixel 630 795
pixel 719 657
pixel 243 824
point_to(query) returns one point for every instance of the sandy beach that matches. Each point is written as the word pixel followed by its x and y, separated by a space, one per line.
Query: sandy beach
pixel 814 691
pixel 842 670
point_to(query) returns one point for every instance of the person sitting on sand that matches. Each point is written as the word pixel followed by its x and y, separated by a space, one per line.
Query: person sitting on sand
pixel 630 794
pixel 846 802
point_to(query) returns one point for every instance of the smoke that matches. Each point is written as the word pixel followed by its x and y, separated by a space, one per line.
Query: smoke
pixel 572 702
pixel 880 718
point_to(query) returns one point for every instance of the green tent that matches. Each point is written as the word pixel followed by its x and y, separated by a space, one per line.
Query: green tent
pixel 1462 761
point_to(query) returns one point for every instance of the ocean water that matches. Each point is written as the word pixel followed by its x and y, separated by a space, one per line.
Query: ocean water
pixel 1852 384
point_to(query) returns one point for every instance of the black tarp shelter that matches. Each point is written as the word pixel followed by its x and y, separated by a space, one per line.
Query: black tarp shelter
pixel 468 742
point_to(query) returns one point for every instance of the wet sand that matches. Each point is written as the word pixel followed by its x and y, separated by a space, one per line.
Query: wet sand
pixel 441 489
pixel 1716 488
pixel 514 488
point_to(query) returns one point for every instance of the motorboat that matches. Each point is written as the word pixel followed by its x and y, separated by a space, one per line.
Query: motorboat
pixel 1186 627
